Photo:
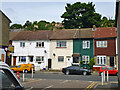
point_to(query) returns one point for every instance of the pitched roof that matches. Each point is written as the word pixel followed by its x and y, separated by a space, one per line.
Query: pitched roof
pixel 32 35
pixel 63 35
pixel 84 33
pixel 105 32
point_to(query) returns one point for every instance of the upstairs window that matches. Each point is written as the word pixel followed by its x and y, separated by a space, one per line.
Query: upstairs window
pixel 86 44
pixel 61 43
pixel 22 58
pixel 39 44
pixel 101 43
pixel 22 44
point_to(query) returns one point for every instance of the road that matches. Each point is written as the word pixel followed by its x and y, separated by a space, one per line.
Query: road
pixel 61 76
pixel 55 80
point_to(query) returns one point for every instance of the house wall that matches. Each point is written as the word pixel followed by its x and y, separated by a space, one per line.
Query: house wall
pixel 66 52
pixel 30 49
pixel 78 47
pixel 109 51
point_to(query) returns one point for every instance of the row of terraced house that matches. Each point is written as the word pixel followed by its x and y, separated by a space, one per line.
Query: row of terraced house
pixel 56 49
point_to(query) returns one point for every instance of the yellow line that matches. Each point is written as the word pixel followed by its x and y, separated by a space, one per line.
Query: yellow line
pixel 32 81
pixel 90 85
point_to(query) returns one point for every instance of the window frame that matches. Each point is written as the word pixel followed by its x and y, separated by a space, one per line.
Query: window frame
pixel 22 44
pixel 61 43
pixel 40 44
pixel 101 44
pixel 86 44
pixel 102 60
pixel 59 57
pixel 85 60
pixel 41 59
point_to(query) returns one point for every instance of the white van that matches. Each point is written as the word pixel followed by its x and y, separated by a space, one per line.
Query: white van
pixel 8 81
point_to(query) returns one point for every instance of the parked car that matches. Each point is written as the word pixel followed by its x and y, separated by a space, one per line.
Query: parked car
pixel 75 70
pixel 26 67
pixel 8 81
pixel 111 70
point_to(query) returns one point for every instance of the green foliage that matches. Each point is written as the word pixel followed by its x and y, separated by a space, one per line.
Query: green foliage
pixel 92 62
pixel 16 26
pixel 81 62
pixel 80 15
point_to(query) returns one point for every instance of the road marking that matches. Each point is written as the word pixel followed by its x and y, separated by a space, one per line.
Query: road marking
pixel 32 81
pixel 64 81
pixel 47 87
pixel 91 85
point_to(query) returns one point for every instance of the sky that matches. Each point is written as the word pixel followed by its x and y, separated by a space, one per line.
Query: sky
pixel 19 12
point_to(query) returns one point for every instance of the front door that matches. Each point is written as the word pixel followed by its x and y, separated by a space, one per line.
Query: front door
pixel 68 61
pixel 112 61
pixel 14 60
pixel 49 63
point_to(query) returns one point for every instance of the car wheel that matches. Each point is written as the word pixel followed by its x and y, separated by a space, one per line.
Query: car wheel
pixel 12 70
pixel 100 74
pixel 26 71
pixel 117 73
pixel 67 72
pixel 84 73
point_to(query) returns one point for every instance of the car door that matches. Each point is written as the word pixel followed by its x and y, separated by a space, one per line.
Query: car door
pixel 77 70
pixel 110 70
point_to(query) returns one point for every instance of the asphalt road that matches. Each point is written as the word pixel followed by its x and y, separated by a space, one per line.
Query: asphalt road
pixel 61 76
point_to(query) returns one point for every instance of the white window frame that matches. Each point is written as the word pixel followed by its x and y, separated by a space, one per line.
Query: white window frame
pixel 41 58
pixel 86 44
pixel 22 44
pixel 61 44
pixel 40 44
pixel 102 60
pixel 61 60
pixel 86 59
pixel 101 44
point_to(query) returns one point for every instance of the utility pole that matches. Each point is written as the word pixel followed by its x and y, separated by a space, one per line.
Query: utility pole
pixel 118 37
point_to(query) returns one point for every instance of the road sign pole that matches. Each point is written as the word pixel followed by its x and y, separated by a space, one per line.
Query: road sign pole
pixel 23 76
pixel 102 77
pixel 32 72
pixel 107 77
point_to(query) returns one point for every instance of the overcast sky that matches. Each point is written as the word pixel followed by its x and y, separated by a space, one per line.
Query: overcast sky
pixel 20 12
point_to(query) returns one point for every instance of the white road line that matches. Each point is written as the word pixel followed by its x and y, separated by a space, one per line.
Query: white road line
pixel 47 87
pixel 65 81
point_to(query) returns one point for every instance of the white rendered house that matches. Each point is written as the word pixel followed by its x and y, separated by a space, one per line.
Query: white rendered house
pixel 31 47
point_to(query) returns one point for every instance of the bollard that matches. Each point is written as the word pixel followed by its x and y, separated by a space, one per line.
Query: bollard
pixel 107 77
pixel 17 74
pixel 23 76
pixel 102 77
pixel 32 72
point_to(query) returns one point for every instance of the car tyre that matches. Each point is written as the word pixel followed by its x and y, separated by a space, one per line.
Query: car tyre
pixel 84 73
pixel 67 72
pixel 117 74
pixel 100 74
pixel 26 71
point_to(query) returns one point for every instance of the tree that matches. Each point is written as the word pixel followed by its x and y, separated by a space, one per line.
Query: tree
pixel 16 26
pixel 92 62
pixel 80 15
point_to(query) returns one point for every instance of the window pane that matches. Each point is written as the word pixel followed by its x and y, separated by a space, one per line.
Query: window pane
pixel 60 58
pixel 75 59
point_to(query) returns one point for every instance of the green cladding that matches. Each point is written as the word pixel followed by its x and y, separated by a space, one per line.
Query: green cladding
pixel 78 47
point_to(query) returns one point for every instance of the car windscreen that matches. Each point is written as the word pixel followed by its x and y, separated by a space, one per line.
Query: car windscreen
pixel 7 80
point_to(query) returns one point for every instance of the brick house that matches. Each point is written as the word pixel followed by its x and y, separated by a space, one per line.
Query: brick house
pixel 105 46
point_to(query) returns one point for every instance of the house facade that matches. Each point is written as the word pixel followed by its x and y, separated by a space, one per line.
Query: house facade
pixel 105 46
pixel 4 37
pixel 83 46
pixel 61 49
pixel 31 47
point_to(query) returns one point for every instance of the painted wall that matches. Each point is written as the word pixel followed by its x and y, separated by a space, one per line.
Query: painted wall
pixel 78 47
pixel 30 49
pixel 109 51
pixel 66 52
